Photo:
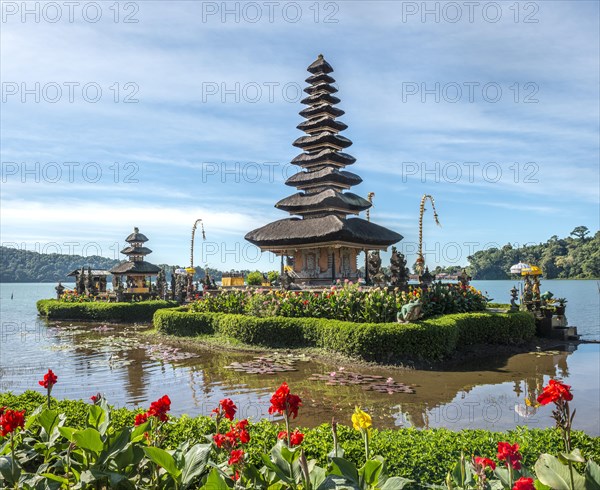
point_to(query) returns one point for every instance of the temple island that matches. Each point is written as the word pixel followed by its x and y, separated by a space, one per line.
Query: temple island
pixel 320 241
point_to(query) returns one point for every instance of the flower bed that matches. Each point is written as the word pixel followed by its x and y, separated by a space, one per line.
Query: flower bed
pixel 45 443
pixel 141 311
pixel 431 339
pixel 347 301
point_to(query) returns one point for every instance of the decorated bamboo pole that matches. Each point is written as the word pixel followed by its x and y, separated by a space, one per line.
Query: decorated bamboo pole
pixel 420 263
pixel 370 197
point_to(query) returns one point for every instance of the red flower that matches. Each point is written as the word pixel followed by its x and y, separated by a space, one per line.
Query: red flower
pixel 282 435
pixel 10 420
pixel 140 419
pixel 510 454
pixel 485 462
pixel 226 409
pixel 159 408
pixel 235 457
pixel 284 402
pixel 554 392
pixel 524 484
pixel 49 380
pixel 296 438
pixel 219 439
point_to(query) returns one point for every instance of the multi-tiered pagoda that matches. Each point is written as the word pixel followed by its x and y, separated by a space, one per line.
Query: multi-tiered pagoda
pixel 136 271
pixel 323 242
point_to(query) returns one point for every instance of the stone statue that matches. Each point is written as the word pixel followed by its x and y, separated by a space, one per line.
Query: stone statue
pixel 173 282
pixel 399 273
pixel 513 299
pixel 161 284
pixel 90 287
pixel 180 285
pixel 80 284
pixel 464 279
pixel 410 312
pixel 426 279
pixel 376 274
pixel 60 289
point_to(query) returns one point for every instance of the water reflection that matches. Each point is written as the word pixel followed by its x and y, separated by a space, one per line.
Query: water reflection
pixel 121 362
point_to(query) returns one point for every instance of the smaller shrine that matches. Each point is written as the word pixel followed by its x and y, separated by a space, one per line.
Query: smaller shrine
pixel 134 277
pixel 97 277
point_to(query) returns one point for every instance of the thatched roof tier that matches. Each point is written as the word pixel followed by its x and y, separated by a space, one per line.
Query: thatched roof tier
pixel 95 272
pixel 297 231
pixel 138 267
pixel 136 251
pixel 326 176
pixel 324 157
pixel 320 111
pixel 136 236
pixel 318 88
pixel 322 124
pixel 323 202
pixel 320 66
pixel 321 141
pixel 320 98
pixel 320 78
pixel 326 200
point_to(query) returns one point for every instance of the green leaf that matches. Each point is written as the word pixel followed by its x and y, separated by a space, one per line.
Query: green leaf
pixel 48 419
pixel 592 476
pixel 215 482
pixel 195 460
pixel 89 439
pixel 396 483
pixel 6 470
pixel 550 471
pixel 574 456
pixel 317 476
pixel 57 478
pixel 67 433
pixel 163 459
pixel 371 471
pixel 346 469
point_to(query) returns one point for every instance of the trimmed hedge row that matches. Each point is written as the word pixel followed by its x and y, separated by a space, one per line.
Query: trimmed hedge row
pixel 97 311
pixel 422 455
pixel 431 339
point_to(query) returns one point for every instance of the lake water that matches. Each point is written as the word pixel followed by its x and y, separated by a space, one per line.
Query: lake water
pixel 119 361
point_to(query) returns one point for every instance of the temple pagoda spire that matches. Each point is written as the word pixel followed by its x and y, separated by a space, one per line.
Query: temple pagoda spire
pixel 329 240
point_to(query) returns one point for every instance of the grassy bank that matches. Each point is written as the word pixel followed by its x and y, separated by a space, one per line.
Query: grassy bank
pixel 389 343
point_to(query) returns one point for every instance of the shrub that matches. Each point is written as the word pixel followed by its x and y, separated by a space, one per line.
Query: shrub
pixel 421 455
pixel 432 339
pixel 345 301
pixel 96 311
pixel 254 278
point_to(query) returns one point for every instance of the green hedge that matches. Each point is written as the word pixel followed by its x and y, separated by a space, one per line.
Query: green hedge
pixel 422 455
pixel 430 339
pixel 99 311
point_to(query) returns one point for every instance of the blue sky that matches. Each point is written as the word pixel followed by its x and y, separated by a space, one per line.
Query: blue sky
pixel 494 114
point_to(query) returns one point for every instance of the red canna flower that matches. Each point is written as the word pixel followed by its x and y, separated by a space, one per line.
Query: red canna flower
pixel 510 454
pixel 284 402
pixel 555 391
pixel 282 435
pixel 11 420
pixel 296 438
pixel 485 462
pixel 219 440
pixel 140 419
pixel 159 408
pixel 524 484
pixel 226 409
pixel 235 457
pixel 49 380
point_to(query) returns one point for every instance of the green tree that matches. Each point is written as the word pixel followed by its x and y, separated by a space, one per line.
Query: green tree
pixel 580 232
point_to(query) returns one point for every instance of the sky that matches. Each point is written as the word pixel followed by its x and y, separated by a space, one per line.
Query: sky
pixel 157 113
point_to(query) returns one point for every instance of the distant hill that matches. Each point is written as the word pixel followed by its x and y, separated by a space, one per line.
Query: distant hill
pixel 574 257
pixel 25 266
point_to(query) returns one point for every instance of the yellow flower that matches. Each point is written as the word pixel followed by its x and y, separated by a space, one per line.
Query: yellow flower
pixel 361 420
